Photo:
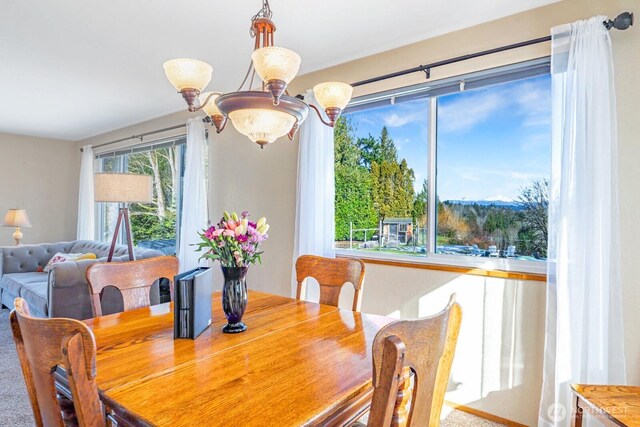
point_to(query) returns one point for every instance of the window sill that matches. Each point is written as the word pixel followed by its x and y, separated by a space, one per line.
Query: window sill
pixel 498 268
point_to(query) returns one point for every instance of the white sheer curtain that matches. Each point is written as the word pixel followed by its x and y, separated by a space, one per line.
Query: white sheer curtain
pixel 584 336
pixel 86 208
pixel 194 195
pixel 314 227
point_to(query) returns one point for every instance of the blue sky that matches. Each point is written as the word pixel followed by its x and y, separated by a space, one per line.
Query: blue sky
pixel 491 141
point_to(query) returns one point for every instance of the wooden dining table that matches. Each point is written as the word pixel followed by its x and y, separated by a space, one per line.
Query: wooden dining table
pixel 611 405
pixel 298 363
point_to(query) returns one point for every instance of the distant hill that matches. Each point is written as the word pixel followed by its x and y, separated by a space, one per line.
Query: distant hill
pixel 497 203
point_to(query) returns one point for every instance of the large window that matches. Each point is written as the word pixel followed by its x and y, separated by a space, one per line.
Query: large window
pixel 454 168
pixel 154 225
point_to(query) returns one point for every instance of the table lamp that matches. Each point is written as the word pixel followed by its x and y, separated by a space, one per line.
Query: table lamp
pixel 16 218
pixel 123 188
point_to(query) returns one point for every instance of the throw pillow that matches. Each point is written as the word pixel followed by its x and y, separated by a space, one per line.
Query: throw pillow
pixel 62 257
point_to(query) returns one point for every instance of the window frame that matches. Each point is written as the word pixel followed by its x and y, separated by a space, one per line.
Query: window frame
pixel 433 90
pixel 122 153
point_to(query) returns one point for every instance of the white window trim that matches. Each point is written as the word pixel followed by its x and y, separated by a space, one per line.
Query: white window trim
pixel 483 263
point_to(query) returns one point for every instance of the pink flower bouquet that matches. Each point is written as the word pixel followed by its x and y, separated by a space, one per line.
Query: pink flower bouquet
pixel 235 240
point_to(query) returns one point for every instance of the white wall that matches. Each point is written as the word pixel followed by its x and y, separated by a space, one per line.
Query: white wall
pixel 499 357
pixel 41 176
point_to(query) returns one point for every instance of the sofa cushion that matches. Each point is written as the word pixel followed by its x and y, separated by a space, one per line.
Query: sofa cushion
pixel 35 294
pixel 101 249
pixel 27 258
pixel 62 257
pixel 13 282
pixel 120 253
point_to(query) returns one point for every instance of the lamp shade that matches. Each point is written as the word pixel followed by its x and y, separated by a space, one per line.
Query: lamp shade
pixel 188 74
pixel 210 108
pixel 261 125
pixel 276 63
pixel 123 188
pixel 333 94
pixel 16 218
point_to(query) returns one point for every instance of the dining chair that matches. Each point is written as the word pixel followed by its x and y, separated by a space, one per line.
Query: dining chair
pixel 133 279
pixel 45 344
pixel 411 366
pixel 331 274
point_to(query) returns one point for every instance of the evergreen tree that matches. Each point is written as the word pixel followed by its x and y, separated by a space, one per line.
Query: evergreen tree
pixel 346 151
pixel 382 183
pixel 377 150
pixel 419 212
pixel 369 151
pixel 392 185
pixel 353 200
pixel 371 183
pixel 404 190
pixel 388 149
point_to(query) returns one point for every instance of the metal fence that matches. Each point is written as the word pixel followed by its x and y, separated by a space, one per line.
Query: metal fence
pixel 381 239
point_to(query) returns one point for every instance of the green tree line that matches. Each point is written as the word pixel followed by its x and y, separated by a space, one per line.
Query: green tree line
pixel 372 183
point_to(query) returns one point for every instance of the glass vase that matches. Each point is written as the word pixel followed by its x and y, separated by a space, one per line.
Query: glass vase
pixel 234 298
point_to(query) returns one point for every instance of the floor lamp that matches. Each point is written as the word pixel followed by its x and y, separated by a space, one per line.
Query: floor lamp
pixel 123 188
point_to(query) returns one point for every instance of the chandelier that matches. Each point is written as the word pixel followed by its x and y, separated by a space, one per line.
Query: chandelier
pixel 262 115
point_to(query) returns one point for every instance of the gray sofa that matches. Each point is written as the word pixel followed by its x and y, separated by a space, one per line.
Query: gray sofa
pixel 63 291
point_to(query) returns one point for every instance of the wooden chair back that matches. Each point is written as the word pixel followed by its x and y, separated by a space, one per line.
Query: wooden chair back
pixel 331 274
pixel 411 366
pixel 133 279
pixel 45 344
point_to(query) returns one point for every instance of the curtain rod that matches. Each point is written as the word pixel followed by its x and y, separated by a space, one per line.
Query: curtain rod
pixel 141 136
pixel 621 22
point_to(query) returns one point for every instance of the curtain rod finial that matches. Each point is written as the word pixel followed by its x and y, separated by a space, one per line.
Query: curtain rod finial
pixel 621 22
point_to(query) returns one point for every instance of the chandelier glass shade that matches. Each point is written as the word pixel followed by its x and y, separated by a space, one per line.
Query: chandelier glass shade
pixel 276 63
pixel 187 73
pixel 208 102
pixel 210 107
pixel 262 115
pixel 333 94
pixel 262 126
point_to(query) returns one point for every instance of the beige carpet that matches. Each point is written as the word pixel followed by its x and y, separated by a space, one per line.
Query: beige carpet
pixel 457 418
pixel 15 409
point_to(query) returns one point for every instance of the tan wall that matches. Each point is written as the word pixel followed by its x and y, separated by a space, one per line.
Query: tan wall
pixel 41 176
pixel 243 177
pixel 500 352
pixel 511 388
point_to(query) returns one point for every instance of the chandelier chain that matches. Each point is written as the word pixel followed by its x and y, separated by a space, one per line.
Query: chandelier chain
pixel 265 12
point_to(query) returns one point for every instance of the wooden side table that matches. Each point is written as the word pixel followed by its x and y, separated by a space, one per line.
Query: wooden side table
pixel 612 405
